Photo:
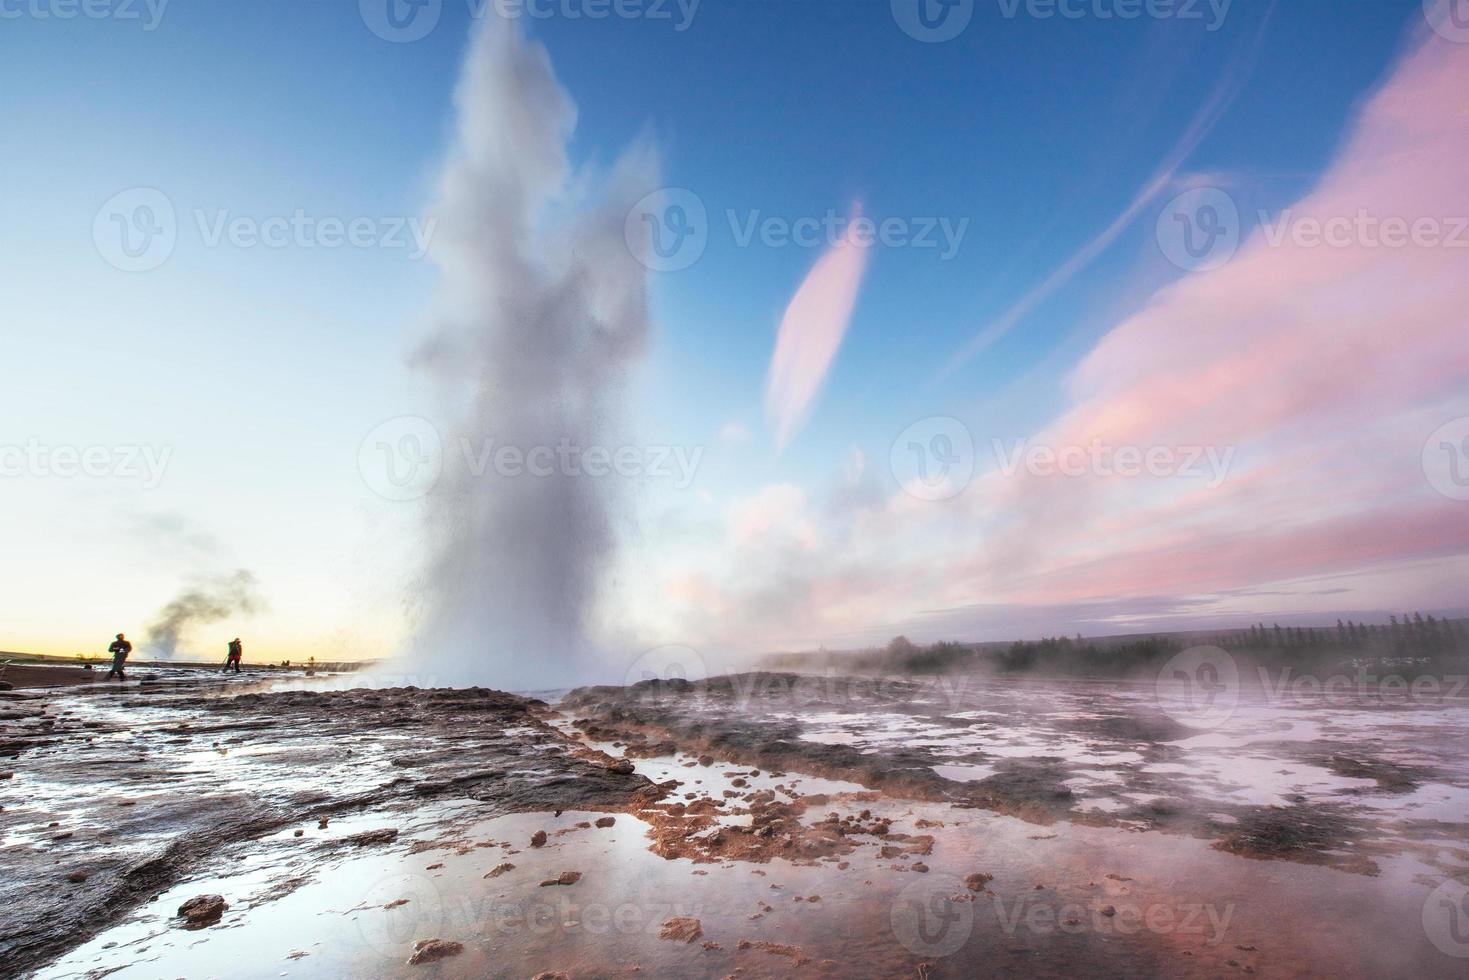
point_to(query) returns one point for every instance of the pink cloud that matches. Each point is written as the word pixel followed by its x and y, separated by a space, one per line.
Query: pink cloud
pixel 1326 368
pixel 811 333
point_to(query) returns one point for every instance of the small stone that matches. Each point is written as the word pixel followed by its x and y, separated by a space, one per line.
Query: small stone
pixel 606 821
pixel 538 839
pixel 77 877
pixel 1109 910
pixel 432 950
pixel 977 881
pixel 564 878
pixel 202 909
pixel 920 867
pixel 499 870
pixel 622 767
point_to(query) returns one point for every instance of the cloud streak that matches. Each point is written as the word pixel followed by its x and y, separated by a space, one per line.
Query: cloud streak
pixel 811 333
pixel 1326 367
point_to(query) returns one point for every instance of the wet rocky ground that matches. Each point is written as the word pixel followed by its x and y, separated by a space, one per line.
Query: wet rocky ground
pixel 757 825
pixel 109 798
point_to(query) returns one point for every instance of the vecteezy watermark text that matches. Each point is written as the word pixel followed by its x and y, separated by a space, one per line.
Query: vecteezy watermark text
pixel 832 228
pixel 566 458
pixel 403 458
pixel 405 21
pixel 137 230
pixel 936 21
pixel 36 459
pixel 669 229
pixel 1097 458
pixel 149 13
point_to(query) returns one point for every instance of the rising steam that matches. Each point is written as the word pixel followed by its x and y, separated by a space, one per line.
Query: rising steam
pixel 206 602
pixel 541 310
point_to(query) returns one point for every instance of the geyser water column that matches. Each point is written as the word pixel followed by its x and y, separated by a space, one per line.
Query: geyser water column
pixel 541 311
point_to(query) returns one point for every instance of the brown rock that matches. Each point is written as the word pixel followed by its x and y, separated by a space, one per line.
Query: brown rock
pixel 538 839
pixel 499 870
pixel 385 835
pixel 564 878
pixel 977 881
pixel 682 929
pixel 203 909
pixel 432 950
pixel 606 821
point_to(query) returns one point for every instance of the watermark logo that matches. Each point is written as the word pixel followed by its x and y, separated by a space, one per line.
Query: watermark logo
pixel 1199 230
pixel 1199 687
pixel 401 21
pixel 1211 13
pixel 1449 19
pixel 671 662
pixel 402 458
pixel 835 230
pixel 1206 463
pixel 933 21
pixel 145 464
pixel 136 229
pixel 1364 230
pixel 149 13
pixel 398 910
pixel 680 12
pixel 667 230
pixel 933 459
pixel 1446 918
pixel 933 916
pixel 1026 913
pixel 1446 459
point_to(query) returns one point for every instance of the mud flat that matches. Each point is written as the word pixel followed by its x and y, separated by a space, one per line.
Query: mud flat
pixel 761 825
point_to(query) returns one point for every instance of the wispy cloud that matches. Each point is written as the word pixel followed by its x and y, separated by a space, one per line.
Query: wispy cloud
pixel 1326 366
pixel 811 333
pixel 1203 122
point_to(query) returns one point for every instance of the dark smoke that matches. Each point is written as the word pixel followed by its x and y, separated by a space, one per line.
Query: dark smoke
pixel 207 602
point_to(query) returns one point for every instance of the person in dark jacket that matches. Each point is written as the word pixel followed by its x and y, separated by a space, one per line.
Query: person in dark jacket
pixel 237 650
pixel 120 649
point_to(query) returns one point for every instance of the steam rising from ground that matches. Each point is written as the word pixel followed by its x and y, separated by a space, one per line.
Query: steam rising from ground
pixel 541 310
pixel 207 602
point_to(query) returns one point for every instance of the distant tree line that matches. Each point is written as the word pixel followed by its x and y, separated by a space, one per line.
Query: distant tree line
pixel 1414 637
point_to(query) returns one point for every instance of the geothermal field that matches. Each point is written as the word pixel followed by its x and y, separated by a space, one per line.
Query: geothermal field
pixel 734 489
pixel 757 824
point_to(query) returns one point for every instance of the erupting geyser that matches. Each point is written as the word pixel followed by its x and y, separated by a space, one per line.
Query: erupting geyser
pixel 541 310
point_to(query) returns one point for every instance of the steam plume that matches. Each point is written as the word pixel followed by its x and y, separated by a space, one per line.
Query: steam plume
pixel 208 602
pixel 541 310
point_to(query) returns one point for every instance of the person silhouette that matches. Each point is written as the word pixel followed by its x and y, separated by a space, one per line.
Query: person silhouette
pixel 120 649
pixel 237 650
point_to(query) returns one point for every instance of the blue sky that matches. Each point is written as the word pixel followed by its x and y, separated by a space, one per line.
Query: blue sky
pixel 264 368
